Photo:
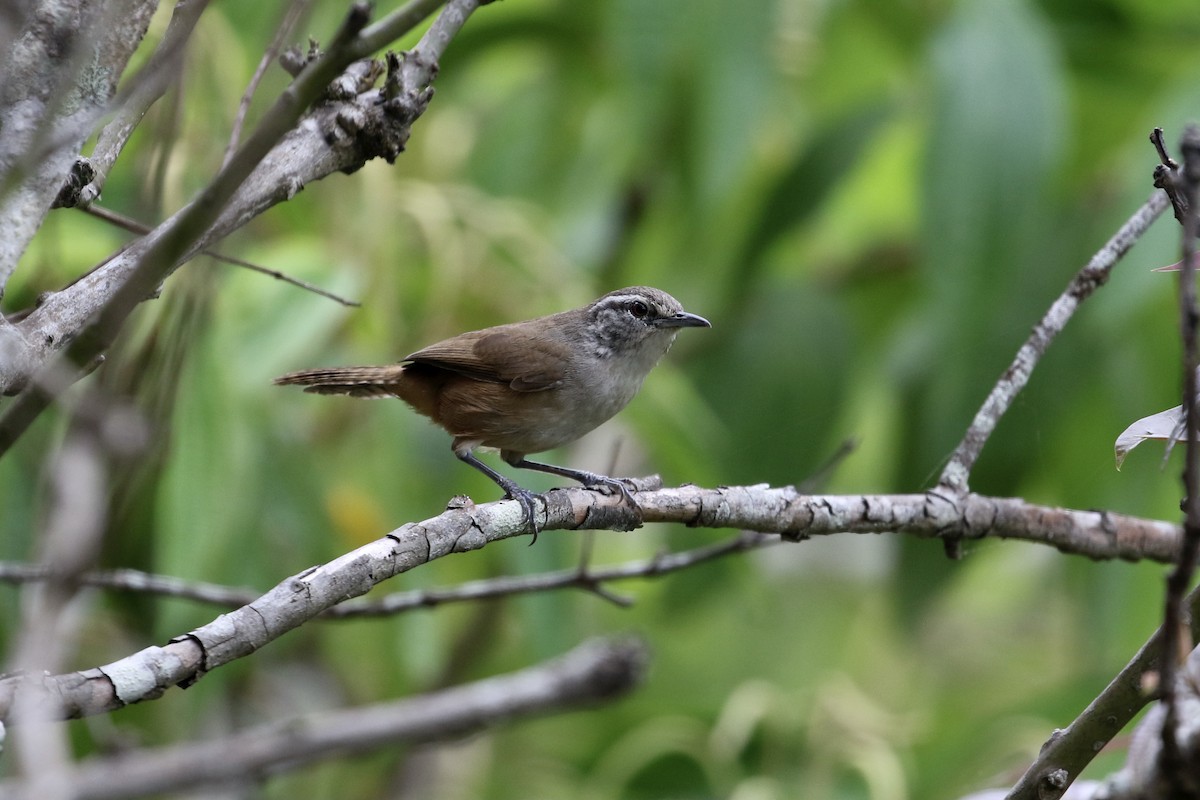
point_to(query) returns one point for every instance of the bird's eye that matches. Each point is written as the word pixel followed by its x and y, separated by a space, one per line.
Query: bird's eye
pixel 639 309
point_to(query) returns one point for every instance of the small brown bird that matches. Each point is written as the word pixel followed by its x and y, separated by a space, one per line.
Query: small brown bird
pixel 527 386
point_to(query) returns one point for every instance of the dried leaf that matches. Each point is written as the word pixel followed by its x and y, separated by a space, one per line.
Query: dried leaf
pixel 1166 425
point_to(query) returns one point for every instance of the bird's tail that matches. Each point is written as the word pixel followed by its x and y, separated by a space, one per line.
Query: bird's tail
pixel 354 381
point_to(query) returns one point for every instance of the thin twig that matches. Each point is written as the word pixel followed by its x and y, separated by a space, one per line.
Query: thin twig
pixel 1160 146
pixel 397 24
pixel 133 226
pixel 588 579
pixel 135 580
pixel 1167 177
pixel 583 576
pixel 281 276
pixel 817 480
pixel 295 9
pixel 955 476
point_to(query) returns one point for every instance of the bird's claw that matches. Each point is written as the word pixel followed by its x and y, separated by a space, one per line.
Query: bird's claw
pixel 614 485
pixel 526 499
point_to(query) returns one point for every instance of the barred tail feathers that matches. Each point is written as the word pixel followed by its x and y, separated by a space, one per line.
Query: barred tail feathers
pixel 353 381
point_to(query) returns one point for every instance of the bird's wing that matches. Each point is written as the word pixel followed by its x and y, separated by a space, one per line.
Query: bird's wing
pixel 527 362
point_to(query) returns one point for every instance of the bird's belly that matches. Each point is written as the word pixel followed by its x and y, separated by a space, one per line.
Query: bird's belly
pixel 562 420
pixel 531 422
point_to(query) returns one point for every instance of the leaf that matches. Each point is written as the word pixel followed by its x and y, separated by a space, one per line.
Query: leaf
pixel 817 172
pixel 1167 425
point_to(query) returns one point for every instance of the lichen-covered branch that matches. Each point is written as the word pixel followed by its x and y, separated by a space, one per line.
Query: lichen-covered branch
pixel 466 527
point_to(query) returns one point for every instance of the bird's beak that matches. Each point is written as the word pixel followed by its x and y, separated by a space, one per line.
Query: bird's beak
pixel 684 320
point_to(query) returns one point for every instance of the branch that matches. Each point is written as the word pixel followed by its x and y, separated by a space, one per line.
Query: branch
pixel 59 76
pixel 587 578
pixel 399 22
pixel 465 527
pixel 597 671
pixel 956 475
pixel 132 580
pixel 583 577
pixel 1179 778
pixel 144 90
pixel 291 16
pixel 1068 751
pixel 133 226
pixel 1065 754
pixel 1167 176
pixel 271 166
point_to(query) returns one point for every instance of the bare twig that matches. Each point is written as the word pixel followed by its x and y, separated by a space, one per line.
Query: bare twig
pixel 1177 772
pixel 294 11
pixel 817 480
pixel 1168 178
pixel 598 671
pixel 583 576
pixel 586 577
pixel 955 476
pixel 134 580
pixel 403 20
pixel 133 226
pixel 1160 146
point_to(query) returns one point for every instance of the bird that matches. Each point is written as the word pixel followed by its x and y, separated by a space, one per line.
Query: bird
pixel 527 387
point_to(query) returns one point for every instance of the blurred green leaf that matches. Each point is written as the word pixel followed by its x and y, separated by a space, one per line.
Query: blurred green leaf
pixel 873 202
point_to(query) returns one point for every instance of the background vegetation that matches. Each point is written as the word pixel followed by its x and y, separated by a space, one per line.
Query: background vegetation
pixel 872 201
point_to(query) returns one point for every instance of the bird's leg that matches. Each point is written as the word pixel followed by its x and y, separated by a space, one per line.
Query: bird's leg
pixel 510 487
pixel 589 479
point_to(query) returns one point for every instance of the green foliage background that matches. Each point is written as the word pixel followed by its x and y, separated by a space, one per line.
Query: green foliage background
pixel 872 201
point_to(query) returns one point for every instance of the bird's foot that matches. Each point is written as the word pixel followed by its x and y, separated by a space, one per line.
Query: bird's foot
pixel 528 502
pixel 591 480
pixel 609 485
